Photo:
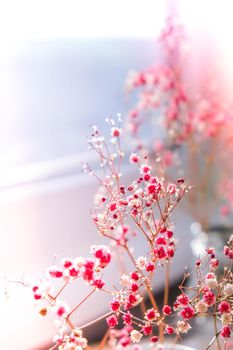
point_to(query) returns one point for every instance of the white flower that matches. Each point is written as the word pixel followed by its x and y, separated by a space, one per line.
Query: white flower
pixel 46 287
pixel 226 318
pixel 61 309
pixel 135 336
pixel 83 343
pixel 201 306
pixel 228 289
pixel 141 262
pixel 126 280
pixel 130 81
pixel 211 283
pixel 78 262
pixel 183 327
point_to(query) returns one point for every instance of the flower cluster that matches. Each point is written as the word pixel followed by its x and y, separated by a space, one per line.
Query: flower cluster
pixel 147 203
pixel 89 270
pixel 198 123
pixel 211 296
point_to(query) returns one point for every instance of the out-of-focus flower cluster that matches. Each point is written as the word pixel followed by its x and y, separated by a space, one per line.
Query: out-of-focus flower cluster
pixel 197 123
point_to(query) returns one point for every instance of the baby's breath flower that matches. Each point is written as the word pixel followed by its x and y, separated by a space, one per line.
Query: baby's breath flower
pixel 183 327
pixel 141 262
pixel 228 289
pixel 135 336
pixel 226 318
pixel 201 306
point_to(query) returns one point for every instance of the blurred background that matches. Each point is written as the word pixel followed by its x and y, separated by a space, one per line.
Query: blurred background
pixel 63 66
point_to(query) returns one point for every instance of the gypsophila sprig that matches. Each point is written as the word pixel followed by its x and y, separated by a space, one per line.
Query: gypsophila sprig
pixel 144 207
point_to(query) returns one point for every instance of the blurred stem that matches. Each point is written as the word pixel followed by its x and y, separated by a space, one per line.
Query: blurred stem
pixel 216 332
pixel 167 280
pixel 103 341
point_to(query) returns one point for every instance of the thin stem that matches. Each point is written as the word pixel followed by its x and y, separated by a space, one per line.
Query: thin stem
pixel 70 324
pixel 96 320
pixel 216 332
pixel 212 341
pixel 141 228
pixel 167 280
pixel 59 292
pixel 76 307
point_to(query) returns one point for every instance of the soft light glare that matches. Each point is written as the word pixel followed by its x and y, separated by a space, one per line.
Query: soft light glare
pixel 46 19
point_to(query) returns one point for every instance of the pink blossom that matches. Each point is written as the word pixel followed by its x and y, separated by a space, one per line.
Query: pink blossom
pixel 167 310
pixel 112 321
pixel 183 300
pixel 115 132
pixel 226 332
pixel 209 298
pixel 115 305
pixel 154 339
pixel 147 330
pixel 169 330
pixel 224 307
pixel 127 318
pixel 151 315
pixel 187 312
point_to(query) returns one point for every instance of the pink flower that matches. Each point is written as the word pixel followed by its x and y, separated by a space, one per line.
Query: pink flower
pixel 147 330
pixel 112 321
pixel 134 158
pixel 224 307
pixel 134 287
pixel 183 300
pixel 67 262
pixel 170 252
pixel 209 298
pixel 226 332
pixel 187 312
pixel 62 309
pixel 154 339
pixel 124 341
pixel 115 132
pixel 98 283
pixel 169 330
pixel 214 264
pixel 127 319
pixel 36 293
pixel 55 272
pixel 115 305
pixel 160 252
pixel 171 189
pixel 161 241
pixel 228 252
pixel 134 276
pixel 73 272
pixel 145 169
pixel 103 255
pixel 167 310
pixel 151 315
pixel 150 267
